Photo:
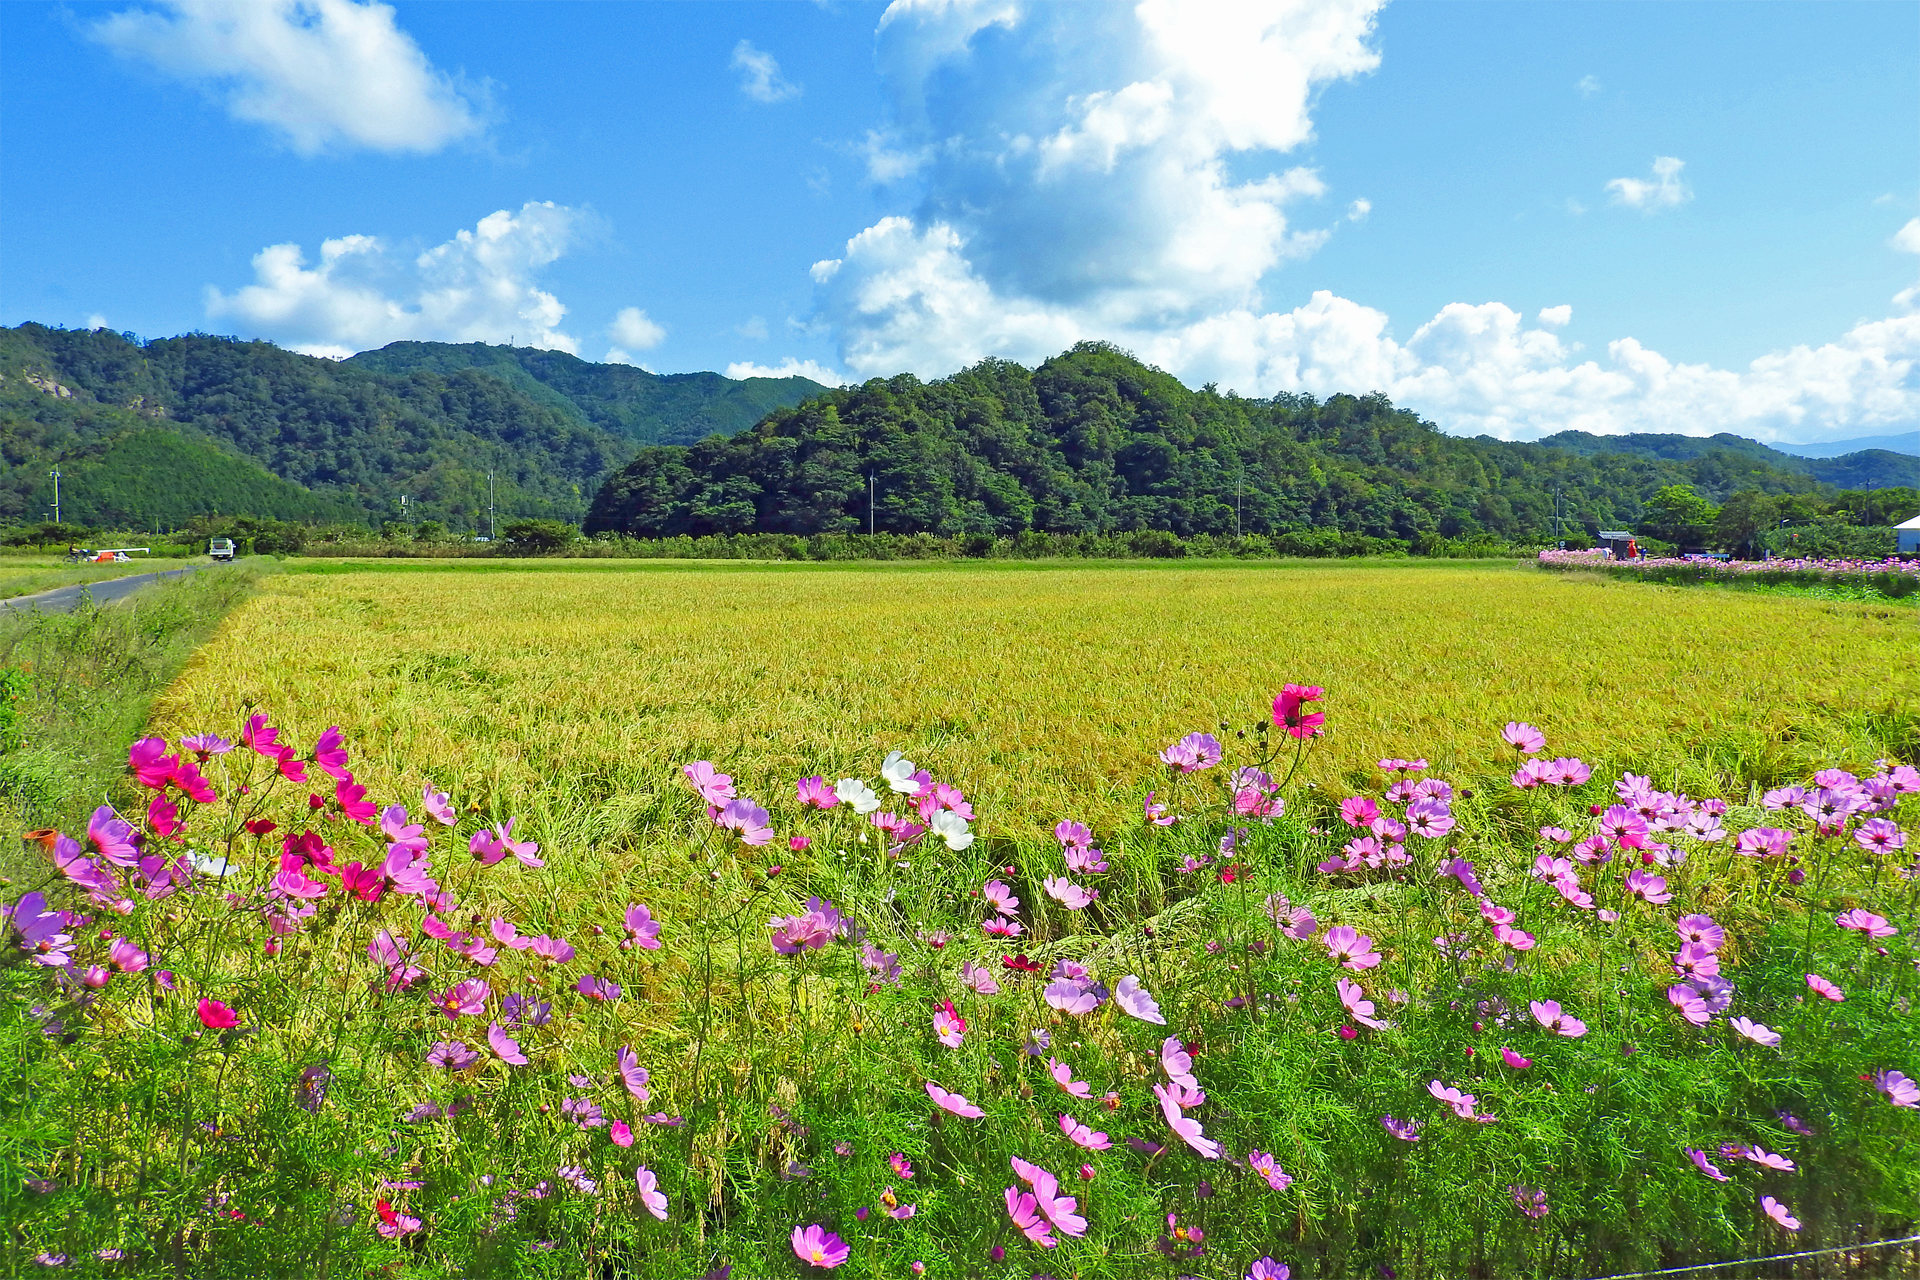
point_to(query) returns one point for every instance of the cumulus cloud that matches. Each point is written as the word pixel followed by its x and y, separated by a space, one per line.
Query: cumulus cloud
pixel 1359 209
pixel 1588 85
pixel 1113 173
pixel 788 368
pixel 324 74
pixel 1907 238
pixel 480 286
pixel 1664 191
pixel 632 327
pixel 760 77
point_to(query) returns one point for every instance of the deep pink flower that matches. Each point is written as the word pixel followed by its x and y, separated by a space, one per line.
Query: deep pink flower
pixel 1624 827
pixel 1878 835
pixel 948 1026
pixel 1514 1060
pixel 595 987
pixel 1026 1215
pixel 330 755
pixel 816 792
pixel 113 837
pixel 1822 987
pixel 643 930
pixel 1290 713
pixel 1354 950
pixel 216 1016
pixel 1083 1136
pixel 1648 887
pixel 152 766
pixel 1863 921
pixel 464 999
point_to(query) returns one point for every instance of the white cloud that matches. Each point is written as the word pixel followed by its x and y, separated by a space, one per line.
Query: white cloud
pixel 96 321
pixel 1556 317
pixel 1359 209
pixel 325 74
pixel 1588 85
pixel 760 77
pixel 1664 192
pixel 633 328
pixel 754 327
pixel 1907 238
pixel 480 286
pixel 788 368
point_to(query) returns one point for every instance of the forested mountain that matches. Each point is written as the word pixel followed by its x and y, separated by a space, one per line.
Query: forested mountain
pixel 355 438
pixel 1095 441
pixel 1729 454
pixel 647 408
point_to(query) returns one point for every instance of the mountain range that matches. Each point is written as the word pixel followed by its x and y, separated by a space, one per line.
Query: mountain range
pixel 163 430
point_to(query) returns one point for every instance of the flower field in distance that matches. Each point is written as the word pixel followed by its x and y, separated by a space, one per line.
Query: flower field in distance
pixel 1225 922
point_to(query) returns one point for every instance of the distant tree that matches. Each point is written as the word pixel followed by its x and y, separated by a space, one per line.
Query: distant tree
pixel 539 537
pixel 1676 514
pixel 1746 516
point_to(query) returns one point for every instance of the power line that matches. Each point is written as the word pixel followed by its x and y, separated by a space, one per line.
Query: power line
pixel 1778 1257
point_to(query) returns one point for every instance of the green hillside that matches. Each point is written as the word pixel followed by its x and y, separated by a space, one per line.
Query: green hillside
pixel 1728 455
pixel 1095 441
pixel 647 408
pixel 132 480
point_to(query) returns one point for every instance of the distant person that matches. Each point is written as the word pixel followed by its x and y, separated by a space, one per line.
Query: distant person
pixel 1633 549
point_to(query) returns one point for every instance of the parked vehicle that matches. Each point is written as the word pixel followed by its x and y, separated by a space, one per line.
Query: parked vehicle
pixel 220 548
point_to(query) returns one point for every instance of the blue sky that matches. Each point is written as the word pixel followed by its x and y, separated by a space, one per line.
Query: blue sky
pixel 1514 218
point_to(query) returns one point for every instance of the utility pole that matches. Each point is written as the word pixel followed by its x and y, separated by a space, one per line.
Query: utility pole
pixel 490 519
pixel 1558 535
pixel 1239 487
pixel 56 495
pixel 869 504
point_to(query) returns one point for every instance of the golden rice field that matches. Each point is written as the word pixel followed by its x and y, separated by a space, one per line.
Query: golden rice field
pixel 1040 690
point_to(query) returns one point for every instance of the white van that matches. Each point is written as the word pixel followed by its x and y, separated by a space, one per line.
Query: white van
pixel 220 548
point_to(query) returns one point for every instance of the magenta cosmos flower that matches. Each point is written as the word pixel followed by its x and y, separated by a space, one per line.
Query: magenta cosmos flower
pixel 948 1026
pixel 1863 921
pixel 1878 835
pixel 643 930
pixel 816 1245
pixel 1548 1014
pixel 1268 1168
pixel 816 792
pixel 1821 986
pixel 1290 710
pixel 216 1016
pixel 715 788
pixel 1084 1136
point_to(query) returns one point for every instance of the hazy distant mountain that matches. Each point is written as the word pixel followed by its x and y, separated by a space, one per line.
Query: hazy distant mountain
pixel 1902 442
pixel 1730 453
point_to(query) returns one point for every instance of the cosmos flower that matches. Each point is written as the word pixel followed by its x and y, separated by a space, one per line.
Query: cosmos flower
pixel 815 1244
pixel 1821 986
pixel 656 1201
pixel 1083 1136
pixel 439 806
pixel 1070 996
pixel 216 1016
pixel 1264 1268
pixel 1193 753
pixel 953 1102
pixel 1067 893
pixel 1063 1076
pixel 1689 1002
pixel 1524 738
pixel 1648 887
pixel 1755 1032
pixel 1267 1167
pixel 714 787
pixel 1529 1200
pixel 633 1076
pixel 1357 1004
pixel 979 979
pixel 952 829
pixel 1290 713
pixel 1705 1165
pixel 1136 1001
pixel 1026 1215
pixel 816 793
pixel 1779 1213
pixel 642 929
pixel 858 794
pixel 1405 1130
pixel 1548 1014
pixel 1514 1060
pixel 1900 1091
pixel 1354 950
pixel 897 771
pixel 1184 1126
pixel 948 1026
pixel 1865 922
pixel 505 1046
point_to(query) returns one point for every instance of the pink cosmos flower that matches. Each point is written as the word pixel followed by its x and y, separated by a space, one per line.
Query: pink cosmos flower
pixel 715 788
pixel 1136 1001
pixel 633 1076
pixel 1156 814
pixel 1290 713
pixel 1569 772
pixel 816 792
pixel 1187 1128
pixel 1177 1063
pixel 452 1055
pixel 1696 961
pixel 747 818
pixel 1822 987
pixel 1900 1091
pixel 125 957
pixel 1533 773
pixel 113 837
pixel 1001 927
pixel 643 930
pixel 1755 1032
pixel 1690 1003
pixel 1514 1060
pixel 1358 811
pixel 1648 887
pixel 1194 752
pixel 656 1201
pixel 805 931
pixel 595 987
pixel 979 980
pixel 1524 738
pixel 552 950
pixel 1705 1165
pixel 163 817
pixel 1061 1211
pixel 1083 1136
pixel 1354 950
pixel 1063 1076
pixel 439 806
pixel 1865 922
pixel 1624 827
pixel 1265 1268
pixel 1547 1013
pixel 1529 1200
pixel 1779 1213
pixel 1071 996
pixel 330 755
pixel 1763 842
pixel 1700 931
pixel 505 1046
pixel 1462 870
pixel 1000 898
pixel 1267 1167
pixel 464 999
pixel 216 1016
pixel 1462 1104
pixel 1026 1215
pixel 1878 835
pixel 953 1102
pixel 1355 999
pixel 1405 1130
pixel 1067 893
pixel 948 1026
pixel 816 1245
pixel 1429 819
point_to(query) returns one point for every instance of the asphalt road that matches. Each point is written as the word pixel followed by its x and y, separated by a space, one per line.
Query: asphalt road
pixel 66 599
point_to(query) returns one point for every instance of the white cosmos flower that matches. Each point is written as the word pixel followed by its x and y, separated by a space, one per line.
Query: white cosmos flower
pixel 952 828
pixel 898 771
pixel 208 865
pixel 858 794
